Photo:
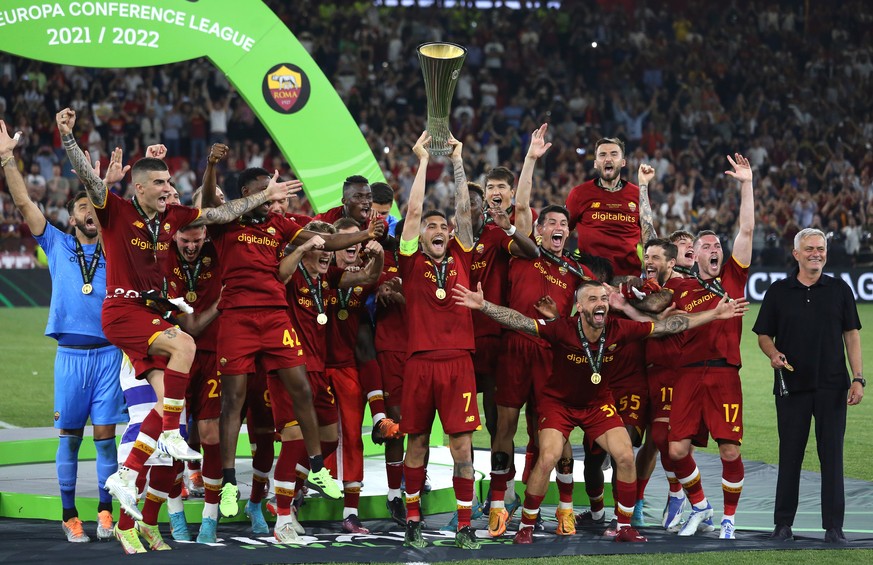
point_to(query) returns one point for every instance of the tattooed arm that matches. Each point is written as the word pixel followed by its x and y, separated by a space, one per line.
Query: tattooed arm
pixel 682 322
pixel 232 210
pixel 463 219
pixel 512 319
pixel 647 226
pixel 95 188
pixel 655 303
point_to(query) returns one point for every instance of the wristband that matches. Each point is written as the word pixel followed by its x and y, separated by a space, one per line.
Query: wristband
pixel 510 232
pixel 4 162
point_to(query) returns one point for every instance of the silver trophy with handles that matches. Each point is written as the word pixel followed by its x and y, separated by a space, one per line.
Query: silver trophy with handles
pixel 441 65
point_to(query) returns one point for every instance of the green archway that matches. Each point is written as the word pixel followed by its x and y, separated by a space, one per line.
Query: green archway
pixel 243 38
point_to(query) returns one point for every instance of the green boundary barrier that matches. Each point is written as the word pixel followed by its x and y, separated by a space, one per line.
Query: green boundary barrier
pixel 48 507
pixel 263 60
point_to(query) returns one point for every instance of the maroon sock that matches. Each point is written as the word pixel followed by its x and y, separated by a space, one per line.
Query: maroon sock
pixel 530 510
pixel 161 480
pixel 464 498
pixel 175 385
pixel 211 470
pixel 625 497
pixel 732 478
pixel 140 453
pixel 414 484
pixel 395 474
pixel 689 476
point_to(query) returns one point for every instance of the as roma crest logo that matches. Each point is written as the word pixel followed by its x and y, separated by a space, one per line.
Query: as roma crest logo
pixel 286 88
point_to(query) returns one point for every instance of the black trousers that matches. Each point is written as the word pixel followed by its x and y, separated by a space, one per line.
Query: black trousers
pixel 793 414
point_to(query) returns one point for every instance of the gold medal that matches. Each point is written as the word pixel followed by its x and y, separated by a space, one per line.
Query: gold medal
pixel 342 314
pixel 595 378
pixel 191 297
pixel 321 319
pixel 441 293
pixel 87 288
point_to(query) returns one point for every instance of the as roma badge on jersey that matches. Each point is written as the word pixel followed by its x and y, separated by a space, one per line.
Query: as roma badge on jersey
pixel 480 248
pixel 271 230
pixel 304 290
pixel 562 270
pixel 358 290
pixel 167 226
pixel 57 416
pixel 612 347
pixel 207 261
pixel 632 206
pixel 683 294
pixel 223 361
pixel 156 322
pixel 139 224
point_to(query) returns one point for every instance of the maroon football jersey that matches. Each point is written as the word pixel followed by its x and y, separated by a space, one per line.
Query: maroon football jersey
pixel 608 224
pixel 390 320
pixel 719 339
pixel 490 267
pixel 135 262
pixel 207 288
pixel 304 313
pixel 571 382
pixel 250 254
pixel 531 279
pixel 435 324
pixel 345 310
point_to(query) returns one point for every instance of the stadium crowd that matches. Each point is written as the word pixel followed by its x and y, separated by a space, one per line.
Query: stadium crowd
pixel 228 300
pixel 673 81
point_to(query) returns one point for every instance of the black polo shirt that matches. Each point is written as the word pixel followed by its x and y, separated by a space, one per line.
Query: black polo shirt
pixel 807 325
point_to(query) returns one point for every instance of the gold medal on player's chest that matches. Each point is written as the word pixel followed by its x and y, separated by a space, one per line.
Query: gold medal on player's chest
pixel 342 314
pixel 191 296
pixel 441 293
pixel 321 319
pixel 595 378
pixel 87 288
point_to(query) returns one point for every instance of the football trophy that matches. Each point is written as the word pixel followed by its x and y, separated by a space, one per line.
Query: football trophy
pixel 441 65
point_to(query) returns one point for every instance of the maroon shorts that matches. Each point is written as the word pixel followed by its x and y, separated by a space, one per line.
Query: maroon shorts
pixel 633 406
pixel 661 383
pixel 485 358
pixel 524 366
pixel 440 381
pixel 258 407
pixel 323 399
pixel 204 387
pixel 262 334
pixel 594 420
pixel 712 396
pixel 392 363
pixel 132 327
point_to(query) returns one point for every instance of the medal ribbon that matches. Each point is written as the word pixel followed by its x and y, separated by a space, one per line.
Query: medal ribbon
pixel 713 286
pixel 343 296
pixel 191 276
pixel 88 272
pixel 314 289
pixel 595 365
pixel 561 261
pixel 153 226
pixel 440 272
